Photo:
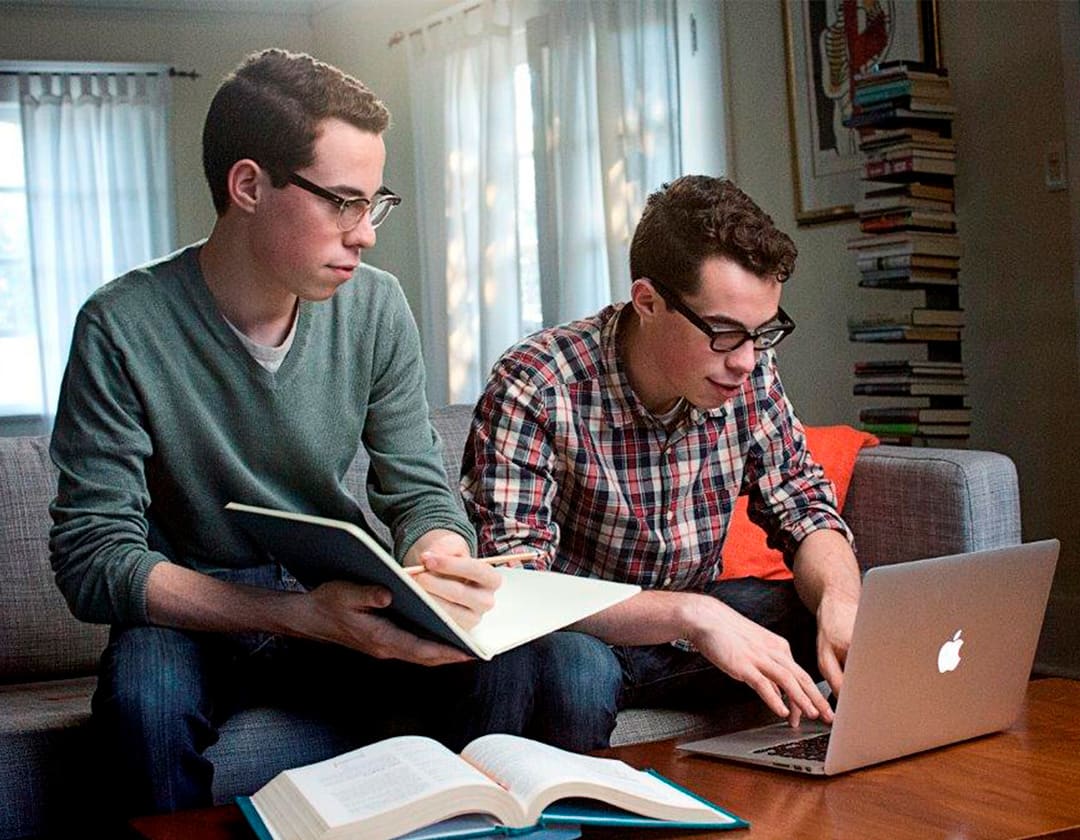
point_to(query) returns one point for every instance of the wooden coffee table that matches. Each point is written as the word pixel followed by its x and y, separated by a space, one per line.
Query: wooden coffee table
pixel 1022 783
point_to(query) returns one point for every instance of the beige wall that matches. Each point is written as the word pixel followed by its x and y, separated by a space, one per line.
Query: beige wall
pixel 212 43
pixel 1004 61
pixel 1018 274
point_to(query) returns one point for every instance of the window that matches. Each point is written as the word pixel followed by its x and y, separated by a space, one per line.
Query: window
pixel 532 316
pixel 20 387
pixel 578 109
pixel 85 194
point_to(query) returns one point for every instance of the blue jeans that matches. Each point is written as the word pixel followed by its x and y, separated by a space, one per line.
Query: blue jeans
pixel 656 675
pixel 163 694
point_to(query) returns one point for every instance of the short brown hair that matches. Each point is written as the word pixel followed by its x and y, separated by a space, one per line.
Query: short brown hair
pixel 697 217
pixel 269 110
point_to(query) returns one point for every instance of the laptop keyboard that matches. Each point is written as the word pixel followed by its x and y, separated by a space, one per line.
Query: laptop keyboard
pixel 808 749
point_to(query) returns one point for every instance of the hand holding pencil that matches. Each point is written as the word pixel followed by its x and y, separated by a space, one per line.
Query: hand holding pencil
pixel 497 560
pixel 465 585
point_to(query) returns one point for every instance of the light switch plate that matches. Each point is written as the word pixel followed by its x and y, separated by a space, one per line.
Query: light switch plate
pixel 1055 169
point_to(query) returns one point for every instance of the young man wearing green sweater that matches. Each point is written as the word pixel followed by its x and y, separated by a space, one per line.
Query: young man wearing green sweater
pixel 250 367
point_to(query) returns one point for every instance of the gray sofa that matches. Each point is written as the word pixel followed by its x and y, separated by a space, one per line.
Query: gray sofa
pixel 903 504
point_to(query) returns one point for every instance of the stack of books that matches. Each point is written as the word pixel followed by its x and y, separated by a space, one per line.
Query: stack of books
pixel 901 425
pixel 907 259
pixel 901 94
pixel 906 377
pixel 904 119
pixel 908 239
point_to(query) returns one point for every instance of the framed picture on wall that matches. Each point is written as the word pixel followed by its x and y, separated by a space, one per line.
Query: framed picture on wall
pixel 828 42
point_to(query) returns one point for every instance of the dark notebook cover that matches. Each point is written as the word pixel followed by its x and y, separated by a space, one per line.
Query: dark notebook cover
pixel 316 552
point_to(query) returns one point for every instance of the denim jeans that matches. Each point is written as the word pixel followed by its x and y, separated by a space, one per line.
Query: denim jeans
pixel 163 694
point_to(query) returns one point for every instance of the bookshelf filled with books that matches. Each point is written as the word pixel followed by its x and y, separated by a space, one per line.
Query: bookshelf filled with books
pixel 908 243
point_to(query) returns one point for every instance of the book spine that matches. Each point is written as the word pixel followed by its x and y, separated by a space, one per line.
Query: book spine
pixel 910 281
pixel 877 168
pixel 954 416
pixel 899 389
pixel 901 93
pixel 871 94
pixel 927 244
pixel 925 166
pixel 902 333
pixel 911 149
pixel 890 428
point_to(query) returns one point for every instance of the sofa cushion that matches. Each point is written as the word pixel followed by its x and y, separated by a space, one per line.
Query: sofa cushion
pixel 908 503
pixel 29 599
pixel 746 552
pixel 639 725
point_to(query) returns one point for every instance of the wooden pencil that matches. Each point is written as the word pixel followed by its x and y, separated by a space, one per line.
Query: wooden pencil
pixel 498 560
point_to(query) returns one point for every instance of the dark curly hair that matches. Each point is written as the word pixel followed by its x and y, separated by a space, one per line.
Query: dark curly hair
pixel 697 217
pixel 269 110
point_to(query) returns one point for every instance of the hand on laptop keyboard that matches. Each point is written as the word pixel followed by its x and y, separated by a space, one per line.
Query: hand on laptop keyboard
pixel 748 652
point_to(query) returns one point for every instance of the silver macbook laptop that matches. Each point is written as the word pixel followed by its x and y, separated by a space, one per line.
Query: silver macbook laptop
pixel 941 651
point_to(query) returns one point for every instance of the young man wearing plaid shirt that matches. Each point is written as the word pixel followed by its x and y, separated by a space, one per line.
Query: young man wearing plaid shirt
pixel 616 446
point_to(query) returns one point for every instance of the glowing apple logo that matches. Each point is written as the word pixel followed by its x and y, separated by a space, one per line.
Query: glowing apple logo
pixel 948 657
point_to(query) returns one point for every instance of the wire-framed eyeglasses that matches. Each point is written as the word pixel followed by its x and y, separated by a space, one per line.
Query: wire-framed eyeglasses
pixel 727 339
pixel 352 210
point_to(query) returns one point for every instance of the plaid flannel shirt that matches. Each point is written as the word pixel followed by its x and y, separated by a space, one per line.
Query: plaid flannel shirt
pixel 563 458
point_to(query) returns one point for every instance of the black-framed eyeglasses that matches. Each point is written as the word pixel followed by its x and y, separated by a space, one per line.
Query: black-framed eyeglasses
pixel 726 339
pixel 352 210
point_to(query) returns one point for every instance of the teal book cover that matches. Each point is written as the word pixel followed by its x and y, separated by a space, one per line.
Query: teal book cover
pixel 590 812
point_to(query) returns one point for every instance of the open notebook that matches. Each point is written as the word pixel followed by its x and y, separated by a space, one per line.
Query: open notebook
pixel 529 604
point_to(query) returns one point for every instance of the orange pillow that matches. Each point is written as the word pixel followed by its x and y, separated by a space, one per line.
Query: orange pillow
pixel 745 551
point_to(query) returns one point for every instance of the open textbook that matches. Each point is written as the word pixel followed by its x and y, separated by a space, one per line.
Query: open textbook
pixel 529 604
pixel 499 784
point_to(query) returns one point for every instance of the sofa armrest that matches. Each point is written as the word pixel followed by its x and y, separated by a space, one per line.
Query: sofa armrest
pixel 910 503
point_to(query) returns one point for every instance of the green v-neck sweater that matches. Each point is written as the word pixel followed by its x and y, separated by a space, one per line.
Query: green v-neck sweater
pixel 164 417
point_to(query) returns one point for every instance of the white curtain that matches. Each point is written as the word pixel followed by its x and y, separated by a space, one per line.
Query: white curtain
pixel 604 105
pixel 610 107
pixel 461 75
pixel 98 192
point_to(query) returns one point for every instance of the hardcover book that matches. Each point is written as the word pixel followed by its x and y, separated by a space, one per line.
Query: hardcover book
pixel 902 414
pixel 907 280
pixel 902 92
pixel 503 784
pixel 885 222
pixel 904 68
pixel 916 189
pixel 897 203
pixel 874 261
pixel 954 430
pixel 918 316
pixel 893 116
pixel 909 388
pixel 916 367
pixel 906 243
pixel 908 167
pixel 901 333
pixel 887 138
